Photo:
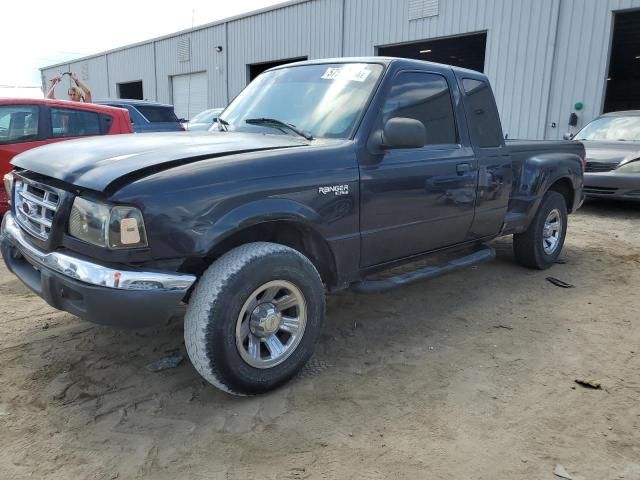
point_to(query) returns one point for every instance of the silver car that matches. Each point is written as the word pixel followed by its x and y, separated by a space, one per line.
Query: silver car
pixel 203 120
pixel 612 144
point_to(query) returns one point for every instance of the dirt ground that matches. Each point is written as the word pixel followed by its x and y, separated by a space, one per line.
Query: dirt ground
pixel 468 376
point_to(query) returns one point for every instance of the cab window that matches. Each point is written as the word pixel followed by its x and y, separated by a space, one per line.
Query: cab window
pixel 424 97
pixel 483 114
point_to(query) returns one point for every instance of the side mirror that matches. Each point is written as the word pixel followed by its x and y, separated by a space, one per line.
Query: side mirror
pixel 403 133
pixel 568 136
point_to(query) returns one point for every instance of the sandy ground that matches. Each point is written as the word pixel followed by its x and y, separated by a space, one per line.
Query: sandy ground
pixel 468 376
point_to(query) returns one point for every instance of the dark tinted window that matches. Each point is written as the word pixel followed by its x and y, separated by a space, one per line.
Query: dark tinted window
pixel 134 115
pixel 157 114
pixel 484 120
pixel 18 123
pixel 424 97
pixel 74 123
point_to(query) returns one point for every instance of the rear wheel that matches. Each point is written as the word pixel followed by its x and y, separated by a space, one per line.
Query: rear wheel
pixel 254 318
pixel 540 245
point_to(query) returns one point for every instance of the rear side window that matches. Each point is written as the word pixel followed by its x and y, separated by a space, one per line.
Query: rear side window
pixel 157 114
pixel 483 114
pixel 134 115
pixel 18 123
pixel 66 122
pixel 424 97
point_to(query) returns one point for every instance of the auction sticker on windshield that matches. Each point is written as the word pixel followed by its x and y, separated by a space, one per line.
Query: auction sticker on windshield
pixel 356 73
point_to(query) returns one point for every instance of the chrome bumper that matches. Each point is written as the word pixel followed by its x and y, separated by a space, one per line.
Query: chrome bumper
pixel 89 272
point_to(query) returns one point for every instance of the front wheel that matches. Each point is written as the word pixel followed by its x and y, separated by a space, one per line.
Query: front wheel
pixel 540 245
pixel 254 318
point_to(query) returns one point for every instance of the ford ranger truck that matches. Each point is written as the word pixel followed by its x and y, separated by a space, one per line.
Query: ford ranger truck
pixel 322 174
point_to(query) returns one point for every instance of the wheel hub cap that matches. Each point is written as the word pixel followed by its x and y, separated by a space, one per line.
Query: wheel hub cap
pixel 271 324
pixel 265 320
pixel 552 231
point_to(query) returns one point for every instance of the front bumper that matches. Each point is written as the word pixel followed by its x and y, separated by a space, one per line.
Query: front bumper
pixel 99 294
pixel 616 185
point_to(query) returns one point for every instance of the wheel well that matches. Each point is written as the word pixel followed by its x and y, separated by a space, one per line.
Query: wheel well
pixel 563 187
pixel 292 234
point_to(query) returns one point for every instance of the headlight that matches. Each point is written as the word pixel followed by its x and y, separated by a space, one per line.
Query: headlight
pixel 631 167
pixel 111 227
pixel 8 185
pixel 126 228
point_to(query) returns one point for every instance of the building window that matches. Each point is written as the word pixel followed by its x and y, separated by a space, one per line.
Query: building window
pixel 130 90
pixel 256 69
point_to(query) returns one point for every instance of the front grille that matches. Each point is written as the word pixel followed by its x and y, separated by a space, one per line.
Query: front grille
pixel 35 206
pixel 599 167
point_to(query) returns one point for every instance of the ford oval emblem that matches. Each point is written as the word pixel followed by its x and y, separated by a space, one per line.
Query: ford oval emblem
pixel 25 207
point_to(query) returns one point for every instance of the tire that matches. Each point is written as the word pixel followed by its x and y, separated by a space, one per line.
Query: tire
pixel 249 296
pixel 531 248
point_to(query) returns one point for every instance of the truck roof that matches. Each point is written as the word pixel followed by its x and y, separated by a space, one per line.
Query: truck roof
pixel 408 62
pixel 125 101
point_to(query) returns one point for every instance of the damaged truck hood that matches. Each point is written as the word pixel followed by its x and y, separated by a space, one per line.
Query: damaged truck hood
pixel 96 162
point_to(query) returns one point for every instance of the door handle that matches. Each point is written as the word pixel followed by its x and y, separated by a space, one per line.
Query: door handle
pixel 463 168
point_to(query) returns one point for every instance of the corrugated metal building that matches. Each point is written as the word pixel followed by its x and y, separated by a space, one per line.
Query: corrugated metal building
pixel 543 57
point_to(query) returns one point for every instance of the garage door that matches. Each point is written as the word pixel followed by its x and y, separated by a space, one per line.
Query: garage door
pixel 623 81
pixel 189 94
pixel 466 51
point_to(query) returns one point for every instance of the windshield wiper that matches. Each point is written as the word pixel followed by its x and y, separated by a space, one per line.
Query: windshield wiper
pixel 274 122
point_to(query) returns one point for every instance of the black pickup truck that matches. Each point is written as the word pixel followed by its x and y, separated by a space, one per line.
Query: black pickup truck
pixel 321 175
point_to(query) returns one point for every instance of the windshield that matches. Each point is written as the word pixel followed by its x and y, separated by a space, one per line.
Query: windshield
pixel 612 129
pixel 324 100
pixel 208 116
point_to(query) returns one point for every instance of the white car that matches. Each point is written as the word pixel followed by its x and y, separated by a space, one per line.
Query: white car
pixel 203 120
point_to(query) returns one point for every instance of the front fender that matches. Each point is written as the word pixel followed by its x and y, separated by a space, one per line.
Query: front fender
pixel 256 212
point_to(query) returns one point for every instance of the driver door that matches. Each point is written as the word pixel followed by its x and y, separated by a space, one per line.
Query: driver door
pixel 419 199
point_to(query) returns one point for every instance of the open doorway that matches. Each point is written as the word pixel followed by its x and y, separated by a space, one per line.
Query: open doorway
pixel 467 51
pixel 130 90
pixel 623 81
pixel 256 69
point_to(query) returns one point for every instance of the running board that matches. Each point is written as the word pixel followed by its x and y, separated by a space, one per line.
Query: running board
pixel 373 286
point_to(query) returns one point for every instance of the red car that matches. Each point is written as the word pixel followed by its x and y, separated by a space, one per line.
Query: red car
pixel 30 123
